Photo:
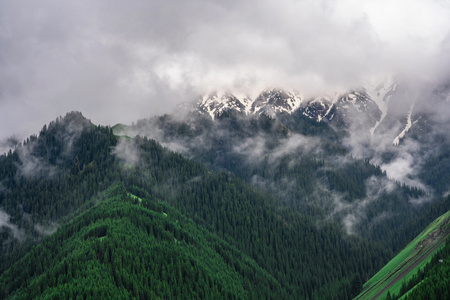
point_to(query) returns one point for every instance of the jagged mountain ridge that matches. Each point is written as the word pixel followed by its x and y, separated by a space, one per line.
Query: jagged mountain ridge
pixel 276 100
pixel 374 108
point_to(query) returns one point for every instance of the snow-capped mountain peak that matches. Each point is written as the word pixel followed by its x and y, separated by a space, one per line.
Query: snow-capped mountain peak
pixel 318 107
pixel 366 107
pixel 388 110
pixel 218 102
pixel 272 101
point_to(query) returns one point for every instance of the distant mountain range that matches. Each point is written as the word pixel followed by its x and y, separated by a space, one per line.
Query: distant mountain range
pixel 375 109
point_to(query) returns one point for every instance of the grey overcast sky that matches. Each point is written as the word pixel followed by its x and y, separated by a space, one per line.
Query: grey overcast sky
pixel 117 61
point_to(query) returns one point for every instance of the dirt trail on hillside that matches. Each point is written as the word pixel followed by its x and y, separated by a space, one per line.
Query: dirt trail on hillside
pixel 411 267
pixel 426 246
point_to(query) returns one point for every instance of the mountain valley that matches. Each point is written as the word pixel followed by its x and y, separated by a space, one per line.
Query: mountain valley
pixel 273 198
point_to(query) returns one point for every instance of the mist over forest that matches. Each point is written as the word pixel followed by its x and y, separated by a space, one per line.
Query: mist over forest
pixel 240 149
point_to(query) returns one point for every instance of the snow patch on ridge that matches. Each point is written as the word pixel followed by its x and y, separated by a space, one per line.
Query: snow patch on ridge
pixel 407 127
pixel 217 102
pixel 381 95
pixel 319 107
pixel 273 101
pixel 372 101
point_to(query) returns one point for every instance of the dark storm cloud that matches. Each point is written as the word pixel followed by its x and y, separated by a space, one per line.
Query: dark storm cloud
pixel 117 61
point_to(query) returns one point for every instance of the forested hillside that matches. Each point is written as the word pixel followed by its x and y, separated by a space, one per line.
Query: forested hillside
pixel 127 247
pixel 88 213
pixel 306 165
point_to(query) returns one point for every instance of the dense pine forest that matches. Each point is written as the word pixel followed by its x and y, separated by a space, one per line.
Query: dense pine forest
pixel 91 212
pixel 288 149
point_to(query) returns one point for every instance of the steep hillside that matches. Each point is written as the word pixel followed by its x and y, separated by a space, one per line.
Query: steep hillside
pixel 126 247
pixel 433 281
pixel 287 245
pixel 305 164
pixel 300 212
pixel 406 265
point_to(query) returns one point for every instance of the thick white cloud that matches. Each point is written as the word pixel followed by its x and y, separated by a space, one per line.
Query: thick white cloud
pixel 117 61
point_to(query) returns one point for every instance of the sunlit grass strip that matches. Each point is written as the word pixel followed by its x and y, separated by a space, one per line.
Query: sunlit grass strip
pixel 135 198
pixel 395 289
pixel 381 277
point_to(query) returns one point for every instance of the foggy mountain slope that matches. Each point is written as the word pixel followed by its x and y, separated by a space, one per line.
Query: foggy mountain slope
pixel 310 136
pixel 365 107
pixel 385 109
pixel 308 165
pixel 290 183
pixel 223 204
pixel 392 123
pixel 50 178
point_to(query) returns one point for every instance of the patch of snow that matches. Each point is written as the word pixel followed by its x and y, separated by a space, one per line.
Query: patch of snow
pixel 246 101
pixel 296 101
pixel 407 127
pixel 270 101
pixel 381 94
pixel 206 102
pixel 328 111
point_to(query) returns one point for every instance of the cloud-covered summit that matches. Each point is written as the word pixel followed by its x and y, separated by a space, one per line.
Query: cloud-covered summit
pixel 119 61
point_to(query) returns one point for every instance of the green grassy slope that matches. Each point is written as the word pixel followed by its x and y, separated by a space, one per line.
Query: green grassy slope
pixel 120 130
pixel 406 264
pixel 433 282
pixel 123 249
